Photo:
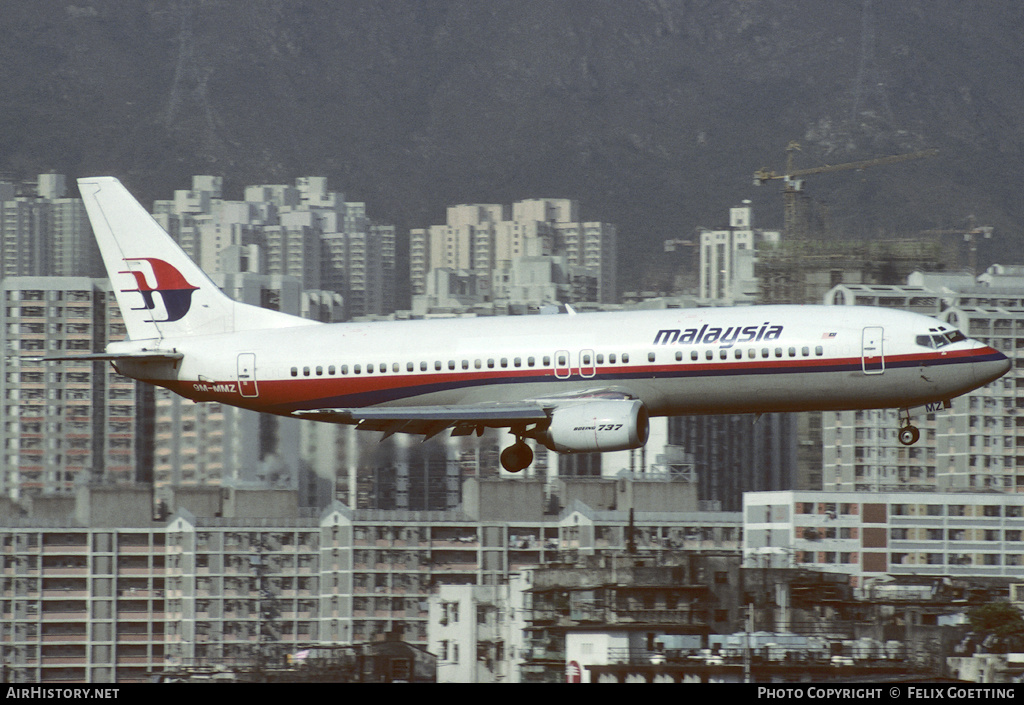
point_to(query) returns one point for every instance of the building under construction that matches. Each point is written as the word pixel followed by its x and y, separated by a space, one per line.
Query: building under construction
pixel 802 271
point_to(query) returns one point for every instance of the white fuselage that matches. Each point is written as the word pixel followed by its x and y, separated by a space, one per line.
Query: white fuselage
pixel 677 361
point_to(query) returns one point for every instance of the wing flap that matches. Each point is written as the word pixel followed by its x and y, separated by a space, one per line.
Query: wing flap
pixel 425 419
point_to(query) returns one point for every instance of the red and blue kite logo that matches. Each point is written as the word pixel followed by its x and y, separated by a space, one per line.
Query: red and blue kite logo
pixel 175 292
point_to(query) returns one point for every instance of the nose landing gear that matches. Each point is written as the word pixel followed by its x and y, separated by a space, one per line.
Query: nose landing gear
pixel 909 434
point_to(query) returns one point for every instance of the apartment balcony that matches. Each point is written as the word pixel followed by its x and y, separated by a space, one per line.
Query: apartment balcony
pixel 63 593
pixel 62 661
pixel 76 616
pixel 69 638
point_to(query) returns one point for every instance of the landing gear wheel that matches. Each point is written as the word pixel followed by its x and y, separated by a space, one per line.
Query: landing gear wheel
pixel 516 457
pixel 909 435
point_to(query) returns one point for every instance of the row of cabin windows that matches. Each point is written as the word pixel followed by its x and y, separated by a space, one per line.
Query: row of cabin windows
pixel 752 353
pixel 490 364
pixel 586 360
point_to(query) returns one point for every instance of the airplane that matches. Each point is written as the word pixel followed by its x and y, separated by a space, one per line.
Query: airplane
pixel 587 382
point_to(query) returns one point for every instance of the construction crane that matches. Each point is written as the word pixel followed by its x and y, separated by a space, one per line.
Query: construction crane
pixel 794 216
pixel 971 235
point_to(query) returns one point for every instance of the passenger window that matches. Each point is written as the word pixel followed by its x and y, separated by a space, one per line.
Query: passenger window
pixel 517 362
pixel 477 364
pixel 423 366
pixel 547 361
pixel 806 352
pixel 465 364
pixel 764 352
pixel 724 354
pixel 295 372
pixel 611 359
pixel 709 354
pixel 437 365
pixel 679 356
pixel 319 370
pixel 305 372
pixel 600 358
pixel 625 358
pixel 650 357
pixel 331 370
pixel 384 367
pixel 819 351
pixel 409 367
pixel 504 362
pixel 344 369
pixel 451 364
pixel 778 352
pixel 792 352
pixel 738 354
pixel 369 369
pixel 751 353
pixel 693 355
pixel 356 369
pixel 530 362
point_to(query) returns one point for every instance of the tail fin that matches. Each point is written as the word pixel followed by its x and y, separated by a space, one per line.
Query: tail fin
pixel 161 292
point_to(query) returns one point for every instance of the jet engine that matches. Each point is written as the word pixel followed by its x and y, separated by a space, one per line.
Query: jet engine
pixel 594 426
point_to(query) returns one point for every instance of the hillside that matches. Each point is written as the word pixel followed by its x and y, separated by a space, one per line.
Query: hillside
pixel 654 114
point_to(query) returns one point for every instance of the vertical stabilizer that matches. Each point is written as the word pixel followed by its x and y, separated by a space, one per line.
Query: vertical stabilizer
pixel 161 292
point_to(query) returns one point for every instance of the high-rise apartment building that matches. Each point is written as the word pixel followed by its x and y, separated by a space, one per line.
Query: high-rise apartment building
pixel 77 421
pixel 304 231
pixel 45 233
pixel 872 534
pixel 727 258
pixel 81 604
pixel 106 593
pixel 738 453
pixel 480 240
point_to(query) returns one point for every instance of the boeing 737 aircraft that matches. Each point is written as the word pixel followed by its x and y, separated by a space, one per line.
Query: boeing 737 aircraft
pixel 574 383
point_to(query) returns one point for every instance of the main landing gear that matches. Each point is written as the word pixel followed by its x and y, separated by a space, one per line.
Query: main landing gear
pixel 517 456
pixel 909 434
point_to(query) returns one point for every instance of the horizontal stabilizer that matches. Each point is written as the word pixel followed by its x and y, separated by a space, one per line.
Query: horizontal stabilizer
pixel 138 356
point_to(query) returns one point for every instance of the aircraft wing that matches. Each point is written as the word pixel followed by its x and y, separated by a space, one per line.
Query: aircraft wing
pixel 431 420
pixel 463 419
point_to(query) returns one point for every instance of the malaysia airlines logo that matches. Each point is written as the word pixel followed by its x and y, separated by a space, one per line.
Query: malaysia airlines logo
pixel 725 337
pixel 175 293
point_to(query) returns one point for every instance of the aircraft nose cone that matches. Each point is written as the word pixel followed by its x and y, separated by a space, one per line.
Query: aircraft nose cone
pixel 992 365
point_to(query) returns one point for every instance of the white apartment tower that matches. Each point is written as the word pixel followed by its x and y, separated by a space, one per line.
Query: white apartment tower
pixel 727 259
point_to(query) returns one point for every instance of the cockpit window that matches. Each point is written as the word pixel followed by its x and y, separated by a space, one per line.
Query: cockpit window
pixel 940 339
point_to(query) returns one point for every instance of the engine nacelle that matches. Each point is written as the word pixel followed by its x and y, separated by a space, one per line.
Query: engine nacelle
pixel 596 426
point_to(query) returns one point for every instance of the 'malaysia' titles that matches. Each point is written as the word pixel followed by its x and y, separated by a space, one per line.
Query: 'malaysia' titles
pixel 725 338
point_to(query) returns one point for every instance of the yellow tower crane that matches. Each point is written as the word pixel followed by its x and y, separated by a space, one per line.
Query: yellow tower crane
pixel 796 225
